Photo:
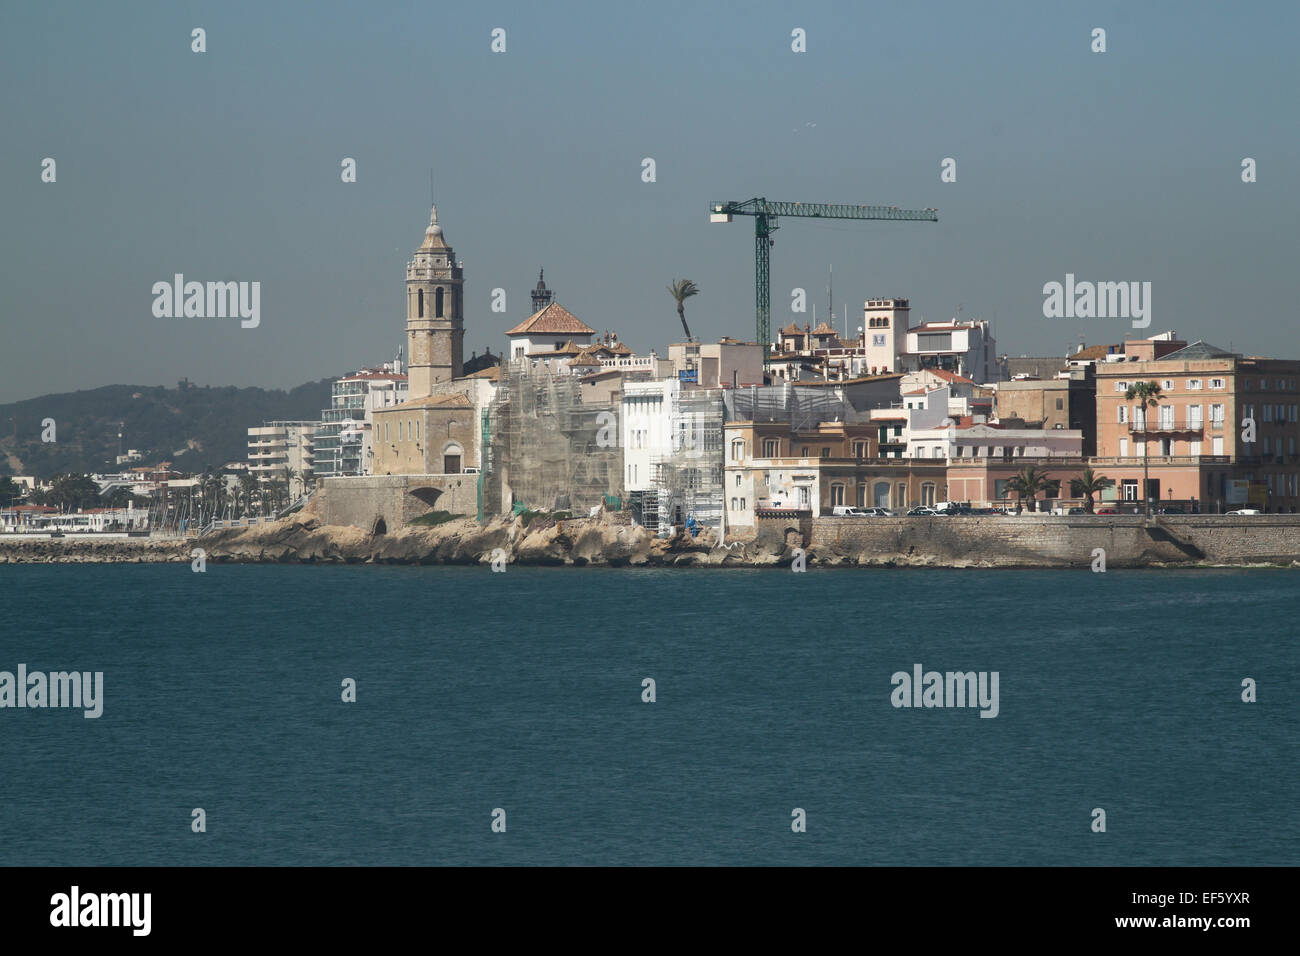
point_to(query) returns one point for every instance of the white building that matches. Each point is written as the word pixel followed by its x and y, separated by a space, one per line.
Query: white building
pixel 277 446
pixel 343 442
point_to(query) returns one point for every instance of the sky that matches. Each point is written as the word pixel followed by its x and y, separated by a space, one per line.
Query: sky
pixel 1123 165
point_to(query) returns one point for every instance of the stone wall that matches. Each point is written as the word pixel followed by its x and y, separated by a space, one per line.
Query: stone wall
pixel 397 499
pixel 1049 541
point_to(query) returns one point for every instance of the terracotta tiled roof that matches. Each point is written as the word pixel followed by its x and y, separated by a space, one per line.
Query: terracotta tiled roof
pixel 791 329
pixel 585 361
pixel 949 376
pixel 620 349
pixel 1094 352
pixel 365 376
pixel 824 329
pixel 555 319
pixel 492 373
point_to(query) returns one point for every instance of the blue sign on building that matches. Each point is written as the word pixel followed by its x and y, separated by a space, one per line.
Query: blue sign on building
pixel 688 375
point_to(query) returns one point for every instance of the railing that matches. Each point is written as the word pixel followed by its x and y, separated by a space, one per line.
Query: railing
pixel 1186 425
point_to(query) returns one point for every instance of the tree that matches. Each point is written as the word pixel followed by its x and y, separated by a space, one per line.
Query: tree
pixel 1028 483
pixel 69 492
pixel 681 290
pixel 290 473
pixel 1090 484
pixel 9 490
pixel 247 486
pixel 1148 395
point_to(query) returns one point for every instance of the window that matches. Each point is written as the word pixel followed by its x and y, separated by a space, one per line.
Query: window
pixel 1193 416
pixel 1166 417
pixel 859 449
pixel 742 504
pixel 1193 384
pixel 837 495
pixel 1123 414
pixel 1130 489
pixel 1167 385
pixel 385 431
pixel 805 452
pixel 1263 385
pixel 451 464
pixel 826 453
pixel 1121 386
pixel 927 494
pixel 419 297
pixel 1193 448
pixel 400 431
pixel 737 449
pixel 1217 446
pixel 1217 383
pixel 771 447
pixel 1265 444
pixel 1268 413
pixel 1123 448
pixel 1060 404
pixel 735 504
pixel 803 496
pixel 437 312
pixel 1216 416
pixel 737 479
pixel 417 430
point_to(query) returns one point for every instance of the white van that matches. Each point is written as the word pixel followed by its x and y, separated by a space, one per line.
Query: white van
pixel 844 511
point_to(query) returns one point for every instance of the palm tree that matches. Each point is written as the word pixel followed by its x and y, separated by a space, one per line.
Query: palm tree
pixel 247 485
pixel 1028 483
pixel 1090 484
pixel 1148 395
pixel 290 473
pixel 681 290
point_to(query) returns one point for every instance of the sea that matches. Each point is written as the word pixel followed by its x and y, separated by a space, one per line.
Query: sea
pixel 508 719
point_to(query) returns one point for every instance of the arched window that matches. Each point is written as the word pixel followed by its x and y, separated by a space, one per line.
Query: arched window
pixel 437 303
pixel 419 303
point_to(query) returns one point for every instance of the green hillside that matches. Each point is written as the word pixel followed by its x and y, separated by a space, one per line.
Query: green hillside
pixel 195 428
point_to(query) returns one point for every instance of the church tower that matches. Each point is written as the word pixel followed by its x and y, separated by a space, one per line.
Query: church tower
pixel 435 328
pixel 542 296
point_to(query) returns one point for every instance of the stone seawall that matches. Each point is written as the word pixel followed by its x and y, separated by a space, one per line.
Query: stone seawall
pixel 1052 541
pixel 611 540
pixel 393 499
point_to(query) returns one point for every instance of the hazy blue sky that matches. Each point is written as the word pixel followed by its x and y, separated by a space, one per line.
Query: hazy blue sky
pixel 225 165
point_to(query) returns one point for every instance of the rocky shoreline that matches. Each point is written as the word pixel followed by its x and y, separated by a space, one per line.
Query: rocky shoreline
pixel 609 540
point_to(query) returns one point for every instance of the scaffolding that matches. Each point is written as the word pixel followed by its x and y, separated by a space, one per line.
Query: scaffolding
pixel 549 450
pixel 689 480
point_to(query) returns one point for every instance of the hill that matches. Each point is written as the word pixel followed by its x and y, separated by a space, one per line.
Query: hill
pixel 196 428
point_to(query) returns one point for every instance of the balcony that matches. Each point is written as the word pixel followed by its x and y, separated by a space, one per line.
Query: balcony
pixel 1186 426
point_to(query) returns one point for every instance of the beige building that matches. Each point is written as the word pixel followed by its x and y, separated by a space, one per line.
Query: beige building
pixel 724 363
pixel 436 435
pixel 435 330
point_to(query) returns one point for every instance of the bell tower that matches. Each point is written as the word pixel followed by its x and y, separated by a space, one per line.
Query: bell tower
pixel 435 328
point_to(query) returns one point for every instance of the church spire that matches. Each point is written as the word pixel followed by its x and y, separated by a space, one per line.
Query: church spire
pixel 433 235
pixel 542 296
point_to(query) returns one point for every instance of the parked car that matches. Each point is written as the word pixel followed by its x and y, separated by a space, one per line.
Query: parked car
pixel 1172 510
pixel 1077 511
pixel 875 512
pixel 1245 511
pixel 922 512
pixel 1107 511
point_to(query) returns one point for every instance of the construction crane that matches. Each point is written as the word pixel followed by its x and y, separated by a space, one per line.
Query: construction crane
pixel 765 215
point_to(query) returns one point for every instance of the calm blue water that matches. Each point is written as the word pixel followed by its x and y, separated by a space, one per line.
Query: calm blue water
pixel 523 691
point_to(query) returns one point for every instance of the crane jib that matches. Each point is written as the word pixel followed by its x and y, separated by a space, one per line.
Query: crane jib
pixel 765 215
